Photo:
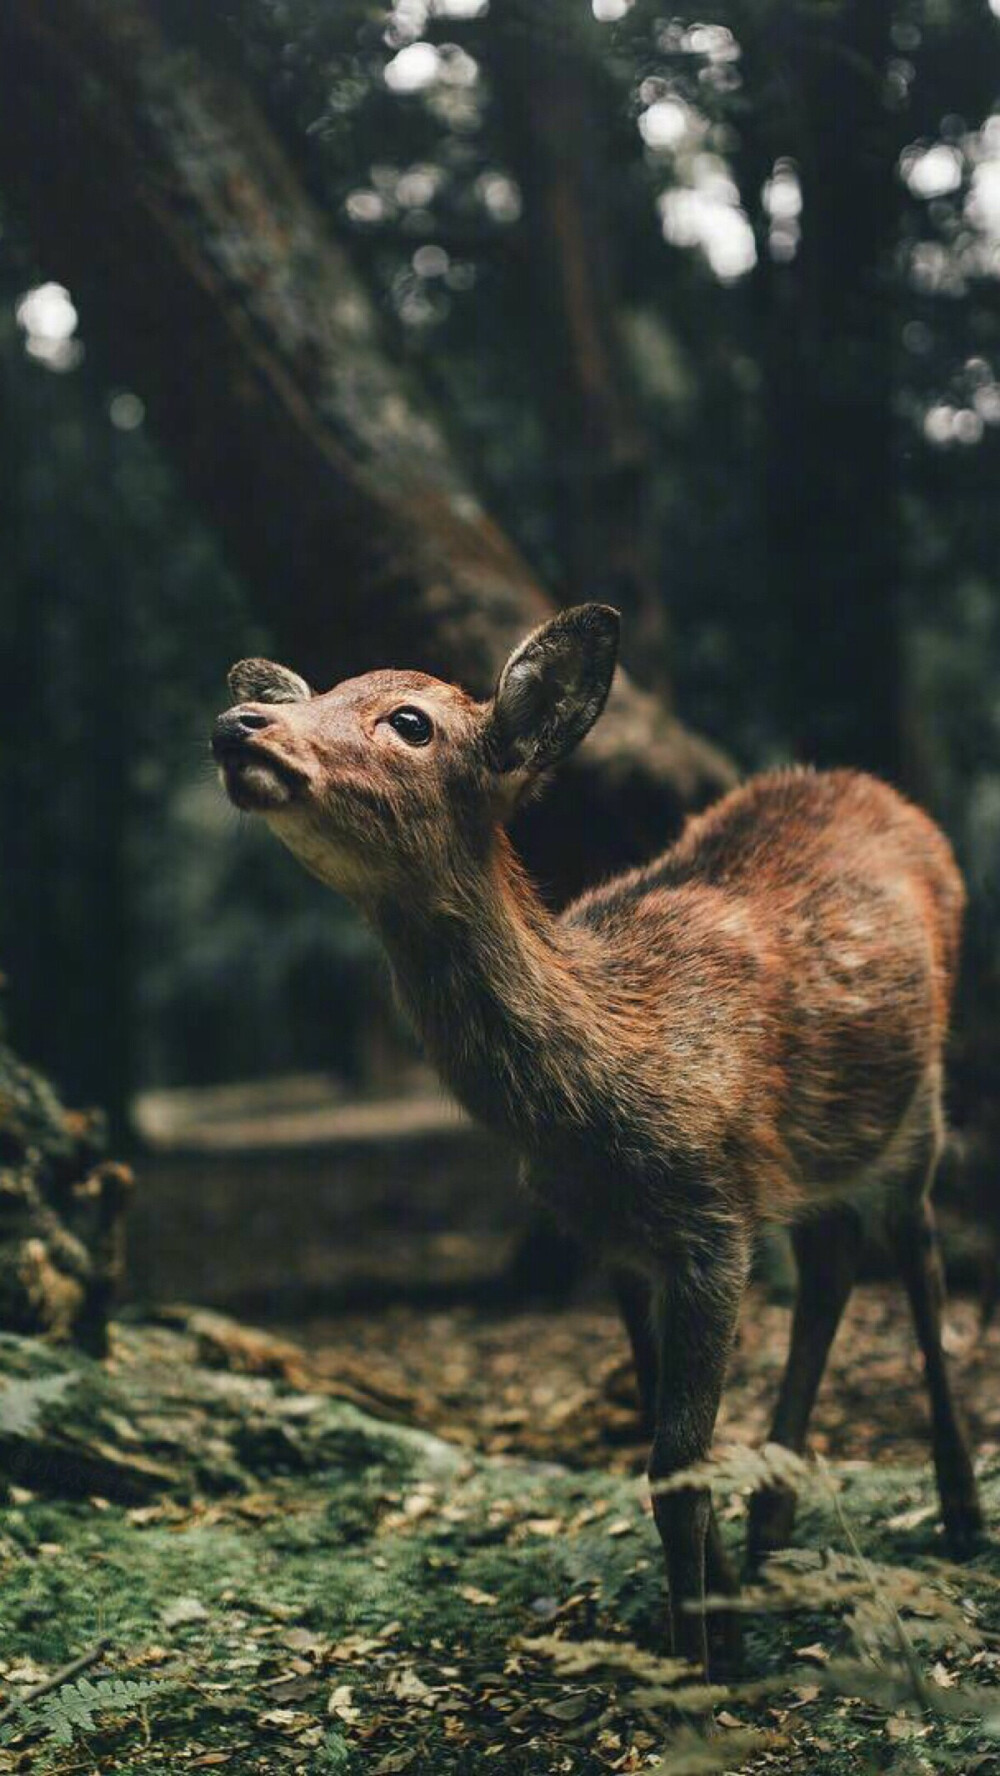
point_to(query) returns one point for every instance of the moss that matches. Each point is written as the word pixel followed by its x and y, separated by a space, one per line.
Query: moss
pixel 383 1575
pixel 61 1212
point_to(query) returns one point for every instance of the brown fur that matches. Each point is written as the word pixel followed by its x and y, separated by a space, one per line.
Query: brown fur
pixel 750 1027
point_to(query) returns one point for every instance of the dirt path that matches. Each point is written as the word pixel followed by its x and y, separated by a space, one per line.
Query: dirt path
pixel 557 1385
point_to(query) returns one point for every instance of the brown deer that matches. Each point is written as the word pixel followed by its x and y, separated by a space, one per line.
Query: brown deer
pixel 749 1028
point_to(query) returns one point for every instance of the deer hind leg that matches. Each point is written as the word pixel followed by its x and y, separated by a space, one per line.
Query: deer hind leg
pixel 827 1251
pixel 635 1304
pixel 695 1322
pixel 724 1629
pixel 918 1257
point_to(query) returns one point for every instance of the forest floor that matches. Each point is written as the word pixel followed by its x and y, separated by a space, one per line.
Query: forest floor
pixel 464 1575
pixel 559 1385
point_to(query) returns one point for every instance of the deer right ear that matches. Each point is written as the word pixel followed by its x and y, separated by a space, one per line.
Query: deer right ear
pixel 262 681
pixel 552 689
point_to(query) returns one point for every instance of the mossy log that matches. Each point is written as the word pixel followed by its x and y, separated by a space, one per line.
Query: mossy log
pixel 62 1210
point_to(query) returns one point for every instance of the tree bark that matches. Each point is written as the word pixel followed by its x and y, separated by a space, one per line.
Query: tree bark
pixel 556 98
pixel 831 504
pixel 154 186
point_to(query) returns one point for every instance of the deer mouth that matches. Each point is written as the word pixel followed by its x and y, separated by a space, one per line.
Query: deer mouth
pixel 254 778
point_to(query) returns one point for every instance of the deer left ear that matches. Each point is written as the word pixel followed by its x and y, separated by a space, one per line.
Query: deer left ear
pixel 263 681
pixel 552 689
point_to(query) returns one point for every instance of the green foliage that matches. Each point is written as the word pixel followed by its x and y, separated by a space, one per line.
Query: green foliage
pixel 384 1560
pixel 333 1757
pixel 21 1402
pixel 75 1707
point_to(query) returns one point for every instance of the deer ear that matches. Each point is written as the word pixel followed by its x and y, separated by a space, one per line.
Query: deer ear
pixel 262 681
pixel 552 689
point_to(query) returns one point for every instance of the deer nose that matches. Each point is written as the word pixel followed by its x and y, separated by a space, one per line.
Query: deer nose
pixel 235 726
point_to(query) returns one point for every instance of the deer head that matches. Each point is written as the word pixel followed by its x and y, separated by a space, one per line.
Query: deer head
pixel 397 778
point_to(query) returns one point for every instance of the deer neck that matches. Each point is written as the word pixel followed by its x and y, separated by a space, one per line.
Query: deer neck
pixel 506 1008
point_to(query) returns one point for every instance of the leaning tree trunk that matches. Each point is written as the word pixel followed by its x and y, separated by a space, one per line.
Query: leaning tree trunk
pixel 153 184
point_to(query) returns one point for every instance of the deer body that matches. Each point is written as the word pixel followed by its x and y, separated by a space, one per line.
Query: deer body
pixel 749 1028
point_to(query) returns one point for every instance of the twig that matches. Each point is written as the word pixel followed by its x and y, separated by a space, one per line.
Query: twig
pixel 57 1679
pixel 902 1639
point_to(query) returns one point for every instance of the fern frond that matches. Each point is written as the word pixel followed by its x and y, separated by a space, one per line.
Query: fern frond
pixel 576 1658
pixel 74 1707
pixel 739 1469
pixel 689 1753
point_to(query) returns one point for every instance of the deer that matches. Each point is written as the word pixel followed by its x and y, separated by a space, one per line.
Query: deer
pixel 748 1029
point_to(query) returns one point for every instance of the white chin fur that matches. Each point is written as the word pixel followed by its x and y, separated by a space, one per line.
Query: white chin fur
pixel 331 863
pixel 252 785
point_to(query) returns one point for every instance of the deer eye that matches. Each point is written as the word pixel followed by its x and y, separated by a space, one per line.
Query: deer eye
pixel 412 725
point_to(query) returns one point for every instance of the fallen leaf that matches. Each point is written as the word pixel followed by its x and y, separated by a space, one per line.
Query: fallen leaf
pixel 472 1594
pixel 406 1686
pixel 418 1504
pixel 396 1760
pixel 142 1514
pixel 903 1726
pixel 292 1688
pixel 341 1704
pixel 912 1519
pixel 302 1640
pixel 570 1708
pixel 27 1672
pixel 182 1611
pixel 284 1718
pixel 356 1646
pixel 589 1514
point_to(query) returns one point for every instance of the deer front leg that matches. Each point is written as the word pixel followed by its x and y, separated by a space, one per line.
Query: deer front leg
pixel 695 1322
pixel 724 1629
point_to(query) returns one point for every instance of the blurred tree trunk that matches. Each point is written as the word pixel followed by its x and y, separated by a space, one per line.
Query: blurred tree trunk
pixel 154 186
pixel 831 479
pixel 65 923
pixel 556 96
